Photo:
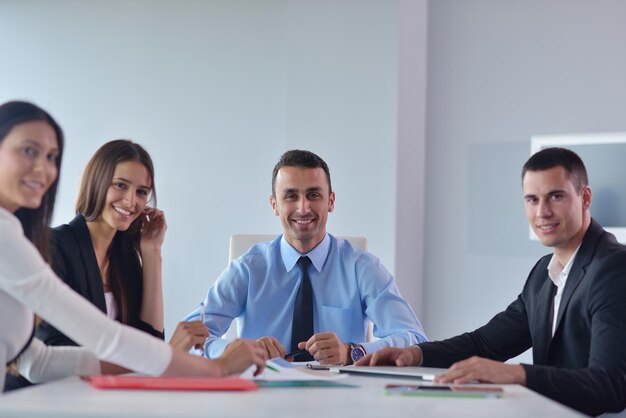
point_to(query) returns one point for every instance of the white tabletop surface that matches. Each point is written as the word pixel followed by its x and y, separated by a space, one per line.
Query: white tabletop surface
pixel 73 397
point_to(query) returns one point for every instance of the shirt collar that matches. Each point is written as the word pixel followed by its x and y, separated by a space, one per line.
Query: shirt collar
pixel 556 271
pixel 317 255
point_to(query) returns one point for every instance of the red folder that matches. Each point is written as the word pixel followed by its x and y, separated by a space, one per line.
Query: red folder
pixel 170 383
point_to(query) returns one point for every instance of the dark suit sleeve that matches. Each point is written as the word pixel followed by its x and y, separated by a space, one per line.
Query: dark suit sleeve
pixel 149 329
pixel 601 386
pixel 46 332
pixel 487 341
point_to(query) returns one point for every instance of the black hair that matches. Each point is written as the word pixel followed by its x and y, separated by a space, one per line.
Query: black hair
pixel 35 221
pixel 559 157
pixel 300 158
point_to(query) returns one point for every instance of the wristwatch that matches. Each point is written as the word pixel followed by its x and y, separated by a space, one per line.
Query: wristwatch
pixel 357 352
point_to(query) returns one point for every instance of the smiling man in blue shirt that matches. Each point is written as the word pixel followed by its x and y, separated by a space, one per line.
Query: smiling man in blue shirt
pixel 349 286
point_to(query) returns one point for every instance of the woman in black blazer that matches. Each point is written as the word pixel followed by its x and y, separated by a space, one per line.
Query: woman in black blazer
pixel 110 253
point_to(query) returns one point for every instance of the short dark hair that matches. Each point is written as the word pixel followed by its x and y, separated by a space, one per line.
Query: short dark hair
pixel 300 158
pixel 559 157
pixel 35 221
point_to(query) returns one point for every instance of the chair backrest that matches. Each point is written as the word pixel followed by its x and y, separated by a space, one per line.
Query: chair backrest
pixel 240 243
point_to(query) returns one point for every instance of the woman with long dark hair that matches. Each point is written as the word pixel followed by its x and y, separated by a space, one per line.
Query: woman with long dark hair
pixel 31 149
pixel 110 252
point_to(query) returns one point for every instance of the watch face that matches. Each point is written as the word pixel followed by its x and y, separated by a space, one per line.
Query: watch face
pixel 357 354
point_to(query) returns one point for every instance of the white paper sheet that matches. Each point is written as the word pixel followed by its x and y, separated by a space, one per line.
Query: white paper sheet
pixel 281 370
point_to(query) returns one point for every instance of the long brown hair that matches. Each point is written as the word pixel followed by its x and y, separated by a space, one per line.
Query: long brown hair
pixel 35 222
pixel 125 271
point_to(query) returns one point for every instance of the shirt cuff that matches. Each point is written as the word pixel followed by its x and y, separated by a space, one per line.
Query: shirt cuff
pixel 373 346
pixel 214 347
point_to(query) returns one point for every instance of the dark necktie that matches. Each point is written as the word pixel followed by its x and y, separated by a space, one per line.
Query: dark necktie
pixel 302 325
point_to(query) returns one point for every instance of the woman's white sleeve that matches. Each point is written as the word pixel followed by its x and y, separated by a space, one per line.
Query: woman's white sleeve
pixel 26 277
pixel 41 363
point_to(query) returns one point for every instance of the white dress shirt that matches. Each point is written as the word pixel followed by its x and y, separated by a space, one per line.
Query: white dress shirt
pixel 558 274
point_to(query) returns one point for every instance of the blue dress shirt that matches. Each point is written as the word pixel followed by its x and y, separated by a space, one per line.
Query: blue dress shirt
pixel 350 286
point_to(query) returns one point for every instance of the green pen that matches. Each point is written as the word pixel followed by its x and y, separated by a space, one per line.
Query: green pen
pixel 272 368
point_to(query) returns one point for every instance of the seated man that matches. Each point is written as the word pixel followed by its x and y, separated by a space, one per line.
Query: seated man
pixel 307 290
pixel 572 309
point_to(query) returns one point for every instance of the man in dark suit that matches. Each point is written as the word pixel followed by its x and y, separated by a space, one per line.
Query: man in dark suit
pixel 572 309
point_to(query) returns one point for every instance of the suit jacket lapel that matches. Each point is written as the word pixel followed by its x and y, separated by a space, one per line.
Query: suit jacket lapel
pixel 94 279
pixel 574 278
pixel 544 316
pixel 578 271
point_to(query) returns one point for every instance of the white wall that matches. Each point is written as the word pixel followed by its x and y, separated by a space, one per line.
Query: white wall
pixel 498 73
pixel 216 91
pixel 411 153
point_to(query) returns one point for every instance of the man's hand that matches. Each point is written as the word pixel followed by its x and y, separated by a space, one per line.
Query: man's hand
pixel 189 334
pixel 272 347
pixel 392 356
pixel 483 370
pixel 240 355
pixel 326 348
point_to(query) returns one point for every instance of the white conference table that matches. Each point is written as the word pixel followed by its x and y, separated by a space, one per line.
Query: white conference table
pixel 73 397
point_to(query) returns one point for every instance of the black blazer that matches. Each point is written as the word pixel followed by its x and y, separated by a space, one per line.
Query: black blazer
pixel 584 364
pixel 74 261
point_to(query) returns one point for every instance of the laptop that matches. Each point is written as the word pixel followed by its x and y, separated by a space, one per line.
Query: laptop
pixel 421 373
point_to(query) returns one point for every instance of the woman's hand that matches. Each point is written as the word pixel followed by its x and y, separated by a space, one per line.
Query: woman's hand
pixel 153 229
